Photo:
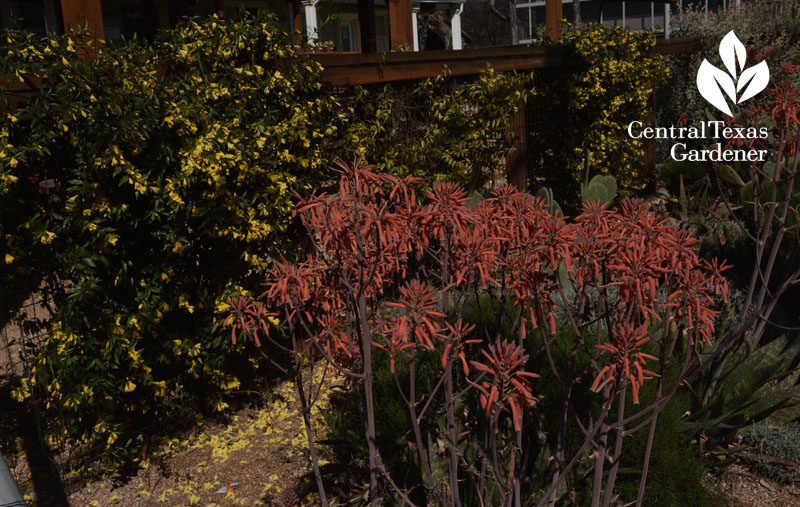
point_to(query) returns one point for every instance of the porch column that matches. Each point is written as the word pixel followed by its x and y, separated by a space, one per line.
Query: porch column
pixel 666 21
pixel 297 21
pixel 552 18
pixel 366 25
pixel 310 7
pixel 455 27
pixel 399 26
pixel 623 14
pixel 76 13
pixel 415 27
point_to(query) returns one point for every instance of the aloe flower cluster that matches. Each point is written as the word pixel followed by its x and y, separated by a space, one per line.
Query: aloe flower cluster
pixel 395 271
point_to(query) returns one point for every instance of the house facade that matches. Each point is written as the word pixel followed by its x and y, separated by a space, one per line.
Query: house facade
pixel 342 25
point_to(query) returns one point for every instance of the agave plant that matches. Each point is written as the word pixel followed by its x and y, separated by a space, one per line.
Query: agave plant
pixel 758 385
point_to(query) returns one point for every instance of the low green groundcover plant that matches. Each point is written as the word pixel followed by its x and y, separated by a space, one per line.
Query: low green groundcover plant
pixel 775 451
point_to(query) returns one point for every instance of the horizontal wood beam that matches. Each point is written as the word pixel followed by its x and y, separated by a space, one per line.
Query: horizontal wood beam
pixel 343 69
pixel 359 69
pixel 678 46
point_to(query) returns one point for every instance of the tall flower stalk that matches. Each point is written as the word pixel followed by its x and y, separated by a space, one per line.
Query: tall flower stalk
pixel 397 272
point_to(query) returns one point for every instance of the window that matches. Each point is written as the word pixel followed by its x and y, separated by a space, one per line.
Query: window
pixel 346 32
pixel 126 18
pixel 39 16
pixel 381 34
pixel 280 7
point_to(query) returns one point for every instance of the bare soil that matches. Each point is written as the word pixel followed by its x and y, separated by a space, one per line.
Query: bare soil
pixel 259 456
pixel 742 488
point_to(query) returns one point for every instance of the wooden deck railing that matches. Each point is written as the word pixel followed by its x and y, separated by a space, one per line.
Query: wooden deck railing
pixel 368 68
pixel 348 69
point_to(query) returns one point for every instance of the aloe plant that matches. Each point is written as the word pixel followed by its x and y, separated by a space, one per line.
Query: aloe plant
pixel 759 385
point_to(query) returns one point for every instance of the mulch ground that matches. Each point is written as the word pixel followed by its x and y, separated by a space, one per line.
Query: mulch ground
pixel 259 456
pixel 743 488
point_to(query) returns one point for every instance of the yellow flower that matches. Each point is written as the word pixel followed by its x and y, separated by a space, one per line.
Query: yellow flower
pixel 161 388
pixel 183 302
pixel 47 237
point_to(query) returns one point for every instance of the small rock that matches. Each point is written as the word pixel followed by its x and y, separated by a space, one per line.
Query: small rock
pixel 228 487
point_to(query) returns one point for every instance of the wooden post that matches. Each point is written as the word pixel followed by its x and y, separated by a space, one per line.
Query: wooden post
pixel 400 27
pixel 649 144
pixel 297 21
pixel 77 13
pixel 366 24
pixel 516 163
pixel 552 18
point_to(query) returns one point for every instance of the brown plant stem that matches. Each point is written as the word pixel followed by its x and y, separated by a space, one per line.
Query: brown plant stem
pixel 651 432
pixel 366 354
pixel 402 494
pixel 612 472
pixel 565 409
pixel 412 410
pixel 516 470
pixel 448 379
pixel 451 434
pixel 647 451
pixel 306 410
pixel 589 438
pixel 600 459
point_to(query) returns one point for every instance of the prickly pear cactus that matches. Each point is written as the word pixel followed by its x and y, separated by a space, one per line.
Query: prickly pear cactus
pixel 546 194
pixel 601 188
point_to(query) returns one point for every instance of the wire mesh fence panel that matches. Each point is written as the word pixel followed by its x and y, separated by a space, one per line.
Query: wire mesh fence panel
pixel 23 334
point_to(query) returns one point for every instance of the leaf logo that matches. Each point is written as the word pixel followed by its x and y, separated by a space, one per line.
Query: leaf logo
pixel 712 81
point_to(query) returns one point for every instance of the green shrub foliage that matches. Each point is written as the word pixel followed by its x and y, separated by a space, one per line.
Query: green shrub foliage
pixel 594 105
pixel 146 178
pixel 439 127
